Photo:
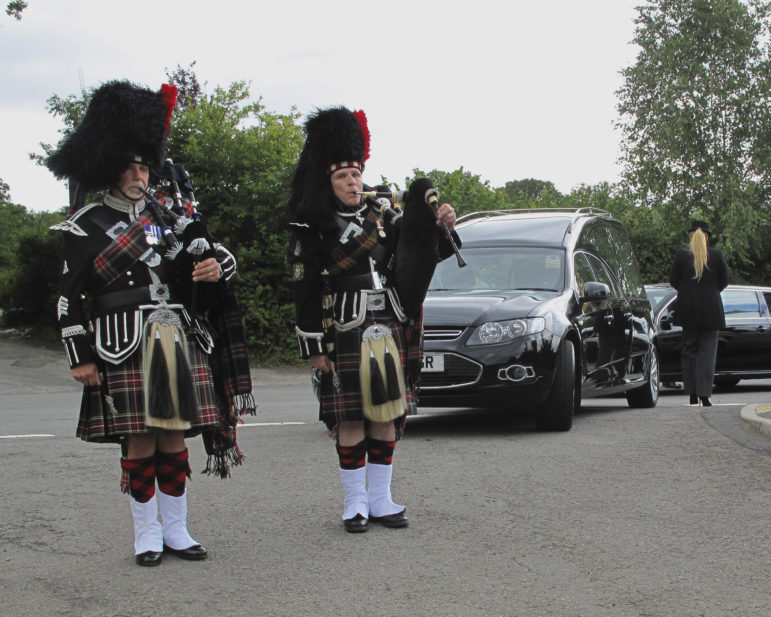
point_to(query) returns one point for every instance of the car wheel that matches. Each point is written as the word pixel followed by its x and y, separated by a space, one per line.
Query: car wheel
pixel 726 382
pixel 556 413
pixel 647 395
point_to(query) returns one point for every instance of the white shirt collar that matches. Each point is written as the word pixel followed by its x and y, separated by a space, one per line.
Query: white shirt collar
pixel 116 203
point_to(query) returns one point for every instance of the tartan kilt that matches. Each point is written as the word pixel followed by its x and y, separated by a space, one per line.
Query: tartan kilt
pixel 346 404
pixel 123 383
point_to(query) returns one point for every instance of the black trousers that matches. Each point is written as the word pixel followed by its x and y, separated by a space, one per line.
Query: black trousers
pixel 697 360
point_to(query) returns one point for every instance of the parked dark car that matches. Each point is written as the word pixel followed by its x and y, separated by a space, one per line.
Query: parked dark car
pixel 550 309
pixel 744 346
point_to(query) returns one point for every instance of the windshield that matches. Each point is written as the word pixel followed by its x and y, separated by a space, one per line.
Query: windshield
pixel 504 268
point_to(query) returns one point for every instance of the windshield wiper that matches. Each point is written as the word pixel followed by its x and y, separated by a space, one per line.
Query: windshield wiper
pixel 534 289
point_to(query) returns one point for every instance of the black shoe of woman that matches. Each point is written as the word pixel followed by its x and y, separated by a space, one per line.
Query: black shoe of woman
pixel 694 399
pixel 705 401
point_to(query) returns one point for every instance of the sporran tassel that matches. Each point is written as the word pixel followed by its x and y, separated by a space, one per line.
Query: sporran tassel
pixel 392 376
pixel 377 387
pixel 159 397
pixel 188 402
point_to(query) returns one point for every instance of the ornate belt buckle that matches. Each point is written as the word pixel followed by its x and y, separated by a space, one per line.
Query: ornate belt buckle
pixel 376 302
pixel 159 292
pixel 376 332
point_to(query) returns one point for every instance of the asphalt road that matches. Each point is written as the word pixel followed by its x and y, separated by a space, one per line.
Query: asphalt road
pixel 658 512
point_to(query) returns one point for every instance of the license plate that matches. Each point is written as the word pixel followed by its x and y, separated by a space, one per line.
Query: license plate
pixel 432 363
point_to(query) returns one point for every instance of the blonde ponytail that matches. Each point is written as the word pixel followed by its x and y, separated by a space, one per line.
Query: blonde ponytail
pixel 699 252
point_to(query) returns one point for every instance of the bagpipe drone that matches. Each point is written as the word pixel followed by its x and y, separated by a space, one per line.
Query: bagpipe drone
pixel 184 231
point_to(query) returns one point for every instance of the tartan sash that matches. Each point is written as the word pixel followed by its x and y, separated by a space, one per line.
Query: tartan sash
pixel 345 256
pixel 121 254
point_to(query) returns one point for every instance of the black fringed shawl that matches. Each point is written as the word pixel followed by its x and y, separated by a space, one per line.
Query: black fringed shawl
pixel 232 384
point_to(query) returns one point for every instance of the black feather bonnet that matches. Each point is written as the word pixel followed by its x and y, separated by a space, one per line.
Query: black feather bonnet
pixel 123 121
pixel 336 138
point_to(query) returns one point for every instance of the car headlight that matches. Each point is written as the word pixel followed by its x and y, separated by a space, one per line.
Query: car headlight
pixel 504 331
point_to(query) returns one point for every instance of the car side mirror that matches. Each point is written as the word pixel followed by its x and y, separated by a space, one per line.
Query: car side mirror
pixel 594 291
pixel 665 323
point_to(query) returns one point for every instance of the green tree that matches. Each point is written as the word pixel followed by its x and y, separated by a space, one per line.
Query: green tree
pixel 189 89
pixel 15 219
pixel 15 8
pixel 696 119
pixel 70 109
pixel 531 189
pixel 28 296
pixel 29 266
pixel 654 235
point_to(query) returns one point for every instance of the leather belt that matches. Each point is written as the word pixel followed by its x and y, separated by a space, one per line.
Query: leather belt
pixel 109 302
pixel 355 282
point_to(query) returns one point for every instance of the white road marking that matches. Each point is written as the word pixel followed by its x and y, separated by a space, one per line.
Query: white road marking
pixel 33 435
pixel 270 424
pixel 714 405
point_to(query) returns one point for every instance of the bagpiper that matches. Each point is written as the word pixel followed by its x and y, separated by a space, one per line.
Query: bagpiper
pixel 140 308
pixel 361 269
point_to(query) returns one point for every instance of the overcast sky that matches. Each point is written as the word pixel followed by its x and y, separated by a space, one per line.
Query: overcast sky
pixel 508 89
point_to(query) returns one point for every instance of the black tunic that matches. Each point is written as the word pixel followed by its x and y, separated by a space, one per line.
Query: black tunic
pixel 351 270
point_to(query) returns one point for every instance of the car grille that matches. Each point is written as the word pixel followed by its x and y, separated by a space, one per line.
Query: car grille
pixel 441 334
pixel 458 371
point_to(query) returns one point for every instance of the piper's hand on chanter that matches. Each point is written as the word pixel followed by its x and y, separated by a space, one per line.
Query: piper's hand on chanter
pixel 446 214
pixel 87 374
pixel 207 271
pixel 321 362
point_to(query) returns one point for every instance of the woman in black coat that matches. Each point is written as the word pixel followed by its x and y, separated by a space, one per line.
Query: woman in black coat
pixel 699 274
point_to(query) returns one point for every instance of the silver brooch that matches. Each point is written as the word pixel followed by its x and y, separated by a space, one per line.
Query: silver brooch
pixel 376 332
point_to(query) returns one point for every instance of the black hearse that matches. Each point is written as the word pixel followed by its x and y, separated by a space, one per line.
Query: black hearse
pixel 550 309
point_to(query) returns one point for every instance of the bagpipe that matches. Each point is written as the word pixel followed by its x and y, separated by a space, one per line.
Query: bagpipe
pixel 385 197
pixel 182 228
pixel 417 251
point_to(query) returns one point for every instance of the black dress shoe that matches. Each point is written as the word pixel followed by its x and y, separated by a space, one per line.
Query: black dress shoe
pixel 705 401
pixel 392 520
pixel 694 399
pixel 357 524
pixel 192 553
pixel 149 558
